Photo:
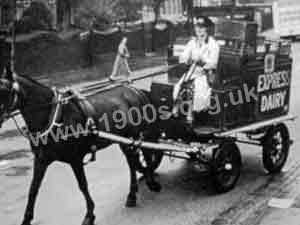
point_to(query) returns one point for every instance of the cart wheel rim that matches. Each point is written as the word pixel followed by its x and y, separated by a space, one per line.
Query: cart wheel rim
pixel 142 159
pixel 278 143
pixel 152 159
pixel 152 162
pixel 227 167
pixel 276 152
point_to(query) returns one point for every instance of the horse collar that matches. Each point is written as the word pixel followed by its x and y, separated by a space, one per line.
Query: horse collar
pixel 15 94
pixel 54 115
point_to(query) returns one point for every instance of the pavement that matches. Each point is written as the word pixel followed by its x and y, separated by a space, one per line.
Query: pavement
pixel 187 197
pixel 138 63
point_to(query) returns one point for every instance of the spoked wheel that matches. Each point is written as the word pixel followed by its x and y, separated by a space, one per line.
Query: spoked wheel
pixel 276 146
pixel 150 159
pixel 226 166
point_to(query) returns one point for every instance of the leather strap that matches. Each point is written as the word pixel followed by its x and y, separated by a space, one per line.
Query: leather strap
pixel 85 106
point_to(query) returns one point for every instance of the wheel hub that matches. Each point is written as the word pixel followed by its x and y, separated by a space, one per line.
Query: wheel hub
pixel 228 166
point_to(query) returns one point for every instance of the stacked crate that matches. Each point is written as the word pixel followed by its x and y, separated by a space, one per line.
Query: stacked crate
pixel 238 43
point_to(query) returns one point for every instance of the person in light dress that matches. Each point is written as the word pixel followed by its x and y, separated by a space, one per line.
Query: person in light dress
pixel 202 52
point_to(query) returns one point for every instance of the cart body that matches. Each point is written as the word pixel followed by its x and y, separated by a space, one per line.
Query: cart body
pixel 251 84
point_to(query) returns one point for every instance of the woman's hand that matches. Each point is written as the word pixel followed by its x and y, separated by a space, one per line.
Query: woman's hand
pixel 211 77
pixel 200 63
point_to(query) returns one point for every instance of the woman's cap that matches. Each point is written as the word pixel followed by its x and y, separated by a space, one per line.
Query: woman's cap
pixel 203 22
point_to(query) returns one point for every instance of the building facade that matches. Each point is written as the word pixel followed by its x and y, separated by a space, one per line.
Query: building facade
pixel 205 3
pixel 62 11
pixel 178 7
pixel 6 12
pixel 255 2
pixel 172 7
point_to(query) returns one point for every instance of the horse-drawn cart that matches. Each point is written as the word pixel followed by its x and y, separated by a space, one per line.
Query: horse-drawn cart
pixel 249 104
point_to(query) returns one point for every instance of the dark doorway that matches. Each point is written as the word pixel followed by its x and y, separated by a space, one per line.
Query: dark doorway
pixel 6 15
pixel 63 14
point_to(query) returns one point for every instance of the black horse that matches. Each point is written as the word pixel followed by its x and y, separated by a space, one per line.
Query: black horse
pixel 41 108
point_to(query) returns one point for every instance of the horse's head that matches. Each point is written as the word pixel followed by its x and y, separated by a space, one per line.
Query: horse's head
pixel 9 92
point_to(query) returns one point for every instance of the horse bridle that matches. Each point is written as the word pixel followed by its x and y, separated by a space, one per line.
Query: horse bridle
pixel 12 102
pixel 14 94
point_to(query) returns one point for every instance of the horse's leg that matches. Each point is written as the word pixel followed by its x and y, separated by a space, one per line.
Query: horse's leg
pixel 150 135
pixel 79 172
pixel 39 171
pixel 131 158
pixel 149 174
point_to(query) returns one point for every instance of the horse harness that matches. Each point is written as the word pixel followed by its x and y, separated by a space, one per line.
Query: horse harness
pixel 60 98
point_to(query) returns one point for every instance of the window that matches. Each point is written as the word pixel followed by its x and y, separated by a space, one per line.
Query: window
pixel 6 15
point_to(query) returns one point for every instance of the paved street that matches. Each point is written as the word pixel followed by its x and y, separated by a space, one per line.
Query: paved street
pixel 186 198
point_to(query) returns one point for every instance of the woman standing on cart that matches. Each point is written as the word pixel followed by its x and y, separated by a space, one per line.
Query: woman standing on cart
pixel 202 52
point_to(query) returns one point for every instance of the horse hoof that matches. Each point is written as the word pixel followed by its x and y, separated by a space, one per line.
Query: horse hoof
pixel 131 202
pixel 89 220
pixel 154 186
pixel 27 223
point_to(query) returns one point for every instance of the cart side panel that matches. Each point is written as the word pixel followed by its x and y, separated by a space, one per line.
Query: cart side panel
pixel 222 113
pixel 271 87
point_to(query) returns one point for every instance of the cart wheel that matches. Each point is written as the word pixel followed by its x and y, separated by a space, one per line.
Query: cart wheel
pixel 150 159
pixel 276 144
pixel 226 166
